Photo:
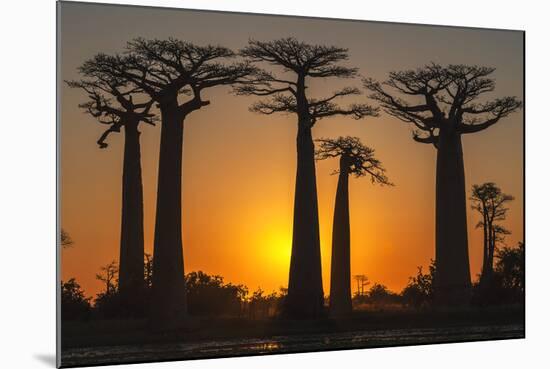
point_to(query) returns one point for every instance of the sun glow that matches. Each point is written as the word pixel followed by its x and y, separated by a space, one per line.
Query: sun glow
pixel 278 247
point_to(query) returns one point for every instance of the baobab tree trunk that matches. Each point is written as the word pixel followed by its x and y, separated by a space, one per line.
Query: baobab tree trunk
pixel 340 271
pixel 131 274
pixel 452 284
pixel 483 275
pixel 492 241
pixel 168 292
pixel 305 287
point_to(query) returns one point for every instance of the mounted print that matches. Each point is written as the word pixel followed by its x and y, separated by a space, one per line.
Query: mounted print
pixel 240 184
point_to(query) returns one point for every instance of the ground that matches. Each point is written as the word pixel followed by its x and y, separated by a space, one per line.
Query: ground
pixel 120 341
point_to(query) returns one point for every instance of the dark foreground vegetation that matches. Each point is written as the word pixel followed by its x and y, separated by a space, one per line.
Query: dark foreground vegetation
pixel 116 341
pixel 211 296
pixel 227 320
pixel 92 333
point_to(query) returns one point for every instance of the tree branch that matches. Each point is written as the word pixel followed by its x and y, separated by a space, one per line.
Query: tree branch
pixel 115 127
pixel 498 109
pixel 328 109
pixel 453 86
pixel 356 158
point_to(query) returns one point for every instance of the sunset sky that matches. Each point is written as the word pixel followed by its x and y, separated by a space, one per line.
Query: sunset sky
pixel 239 167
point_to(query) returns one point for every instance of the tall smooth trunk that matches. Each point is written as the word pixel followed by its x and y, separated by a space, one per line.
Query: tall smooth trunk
pixel 305 287
pixel 168 292
pixel 131 274
pixel 340 271
pixel 452 284
pixel 483 275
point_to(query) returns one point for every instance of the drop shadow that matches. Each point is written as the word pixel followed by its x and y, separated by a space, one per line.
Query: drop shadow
pixel 48 359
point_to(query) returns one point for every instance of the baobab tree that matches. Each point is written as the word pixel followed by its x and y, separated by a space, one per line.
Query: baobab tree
pixel 362 281
pixel 442 104
pixel 285 92
pixel 358 160
pixel 490 202
pixel 174 74
pixel 65 239
pixel 112 102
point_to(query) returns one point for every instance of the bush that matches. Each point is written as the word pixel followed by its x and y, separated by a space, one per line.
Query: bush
pixel 380 295
pixel 208 295
pixel 108 305
pixel 74 305
pixel 266 306
pixel 507 283
pixel 419 291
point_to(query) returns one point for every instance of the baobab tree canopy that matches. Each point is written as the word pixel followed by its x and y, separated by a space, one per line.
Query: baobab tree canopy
pixel 165 68
pixel 359 159
pixel 489 199
pixel 442 104
pixel 446 99
pixel 111 101
pixel 286 93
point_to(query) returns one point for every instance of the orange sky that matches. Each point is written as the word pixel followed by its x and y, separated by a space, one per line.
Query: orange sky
pixel 239 167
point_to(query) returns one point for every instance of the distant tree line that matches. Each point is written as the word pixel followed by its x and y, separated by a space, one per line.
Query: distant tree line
pixel 507 286
pixel 209 295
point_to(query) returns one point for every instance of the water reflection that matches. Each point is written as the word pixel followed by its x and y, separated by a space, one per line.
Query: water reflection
pixel 265 346
pixel 284 344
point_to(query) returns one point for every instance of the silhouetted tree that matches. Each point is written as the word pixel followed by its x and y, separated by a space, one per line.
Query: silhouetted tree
pixel 357 159
pixel 419 292
pixel 511 266
pixel 441 105
pixel 65 239
pixel 107 303
pixel 109 276
pixel 209 295
pixel 380 295
pixel 286 93
pixel 489 200
pixel 261 306
pixel 507 283
pixel 74 304
pixel 166 70
pixel 112 102
pixel 362 281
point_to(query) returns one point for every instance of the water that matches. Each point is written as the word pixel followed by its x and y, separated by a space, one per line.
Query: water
pixel 285 344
